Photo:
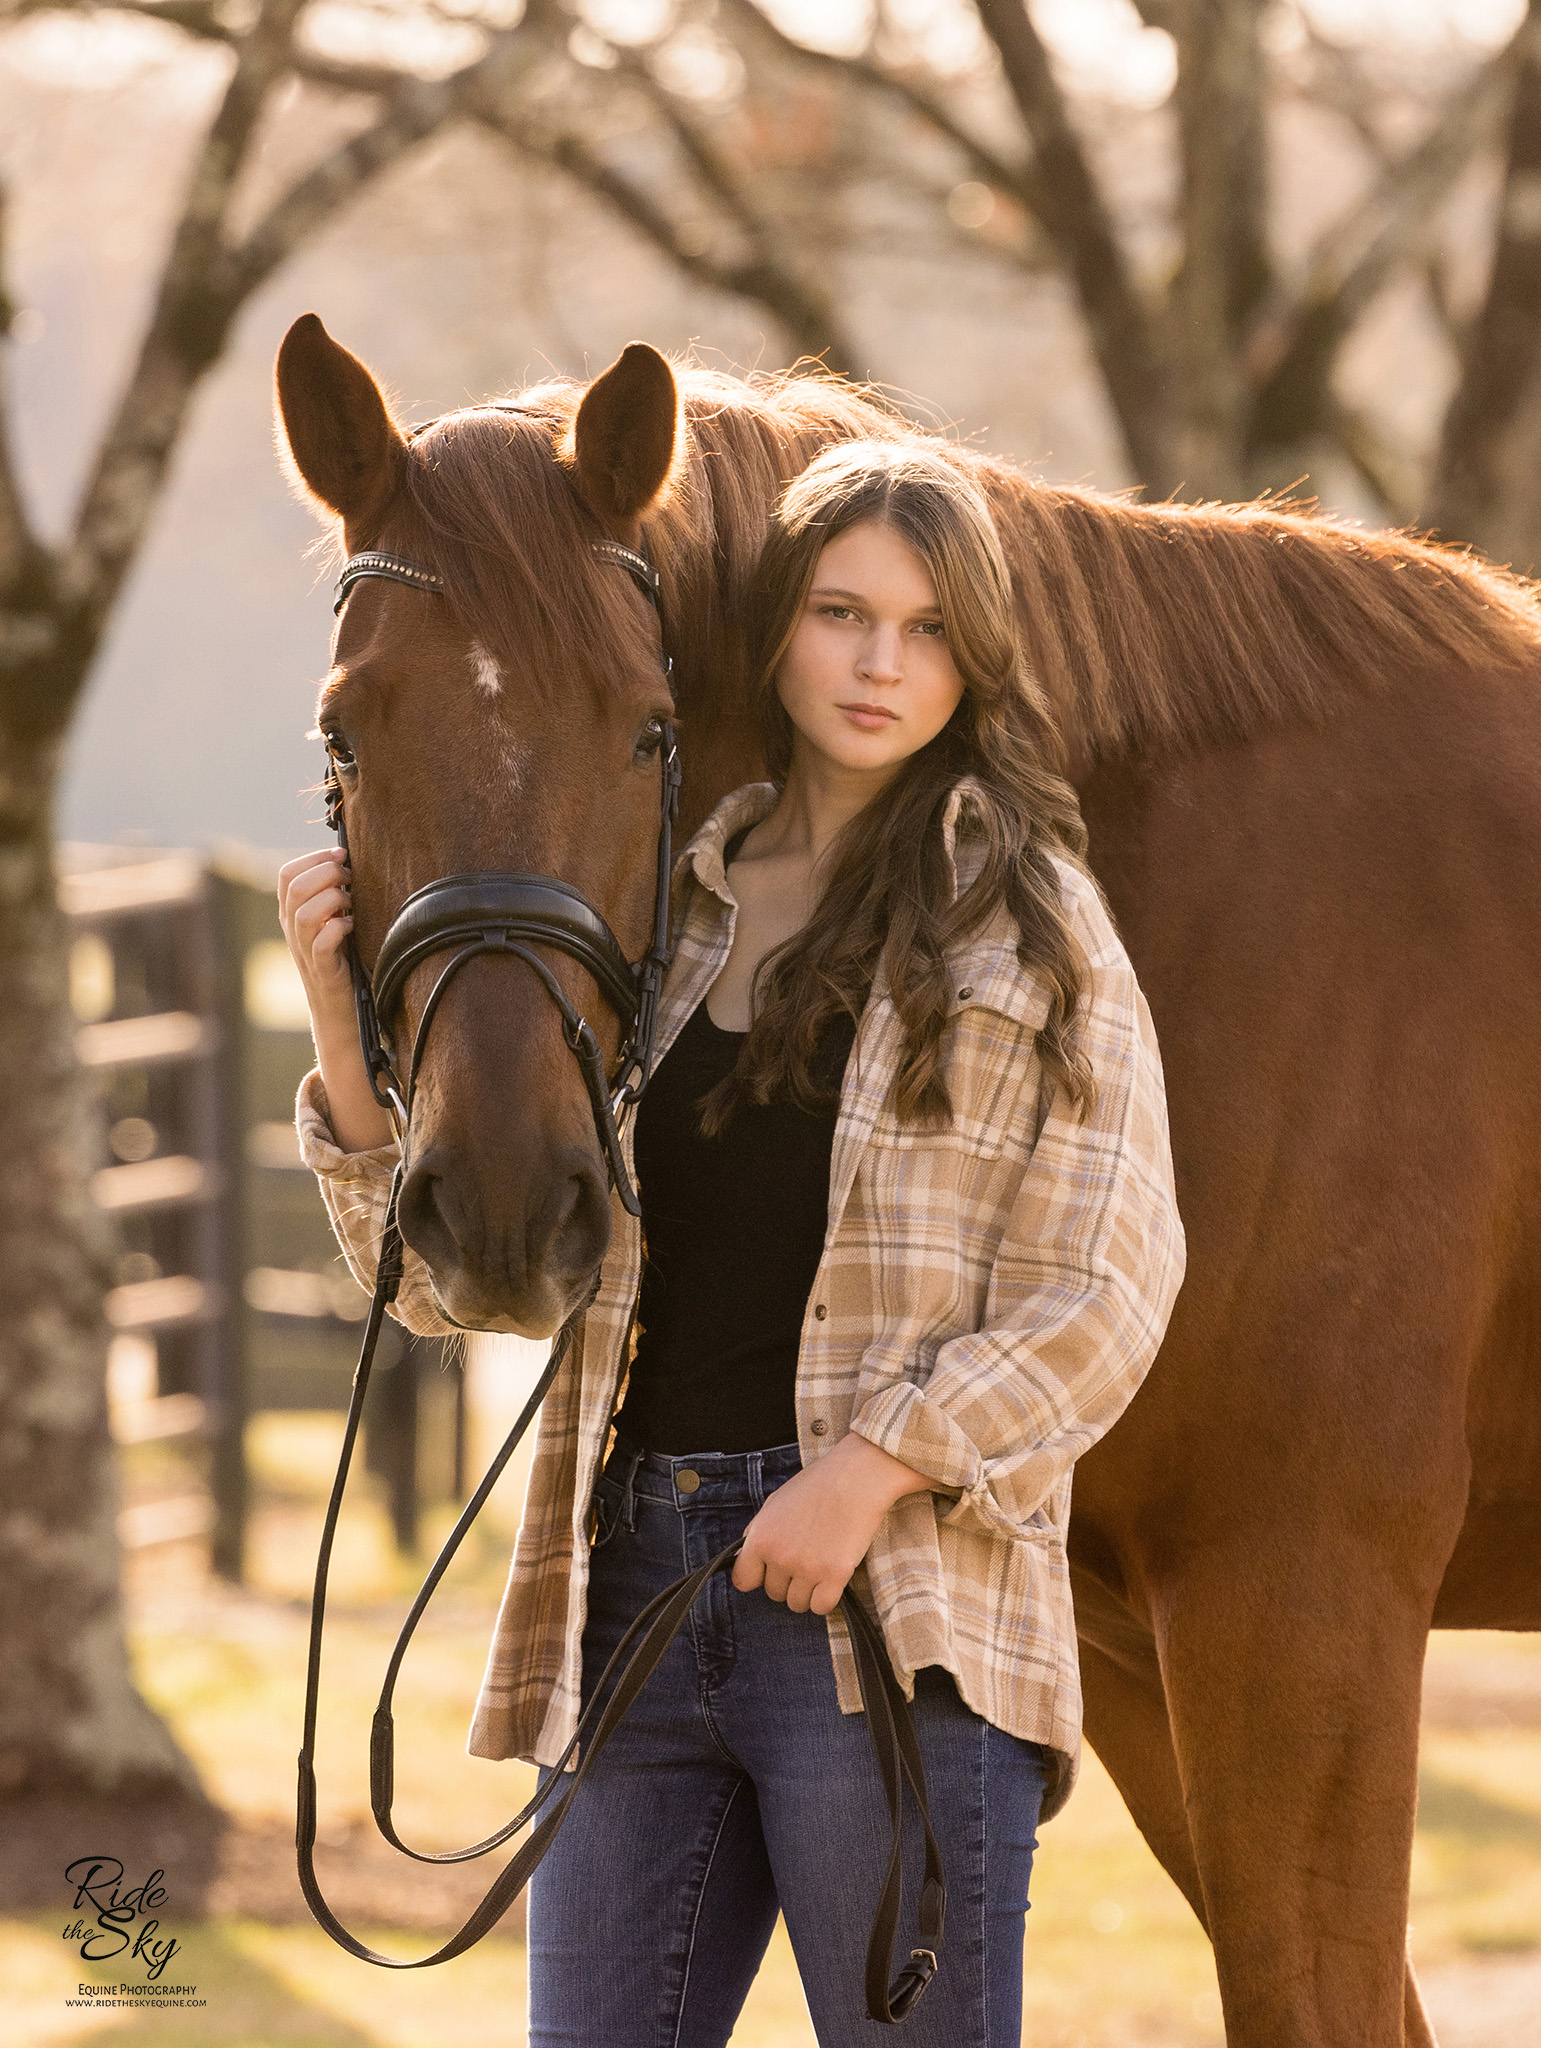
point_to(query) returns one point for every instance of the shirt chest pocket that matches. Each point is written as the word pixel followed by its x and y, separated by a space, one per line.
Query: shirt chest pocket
pixel 989 1061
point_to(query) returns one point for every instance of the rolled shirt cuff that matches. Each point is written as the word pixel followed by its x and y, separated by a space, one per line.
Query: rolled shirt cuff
pixel 321 1151
pixel 921 1434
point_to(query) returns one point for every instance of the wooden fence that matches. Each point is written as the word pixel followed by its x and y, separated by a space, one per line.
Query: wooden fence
pixel 230 1296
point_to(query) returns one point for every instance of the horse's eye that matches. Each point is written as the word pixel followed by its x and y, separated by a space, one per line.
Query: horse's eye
pixel 649 740
pixel 340 751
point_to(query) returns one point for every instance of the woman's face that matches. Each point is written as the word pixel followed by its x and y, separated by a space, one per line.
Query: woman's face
pixel 867 679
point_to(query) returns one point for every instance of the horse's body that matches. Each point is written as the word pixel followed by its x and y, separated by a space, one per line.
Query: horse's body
pixel 1310 762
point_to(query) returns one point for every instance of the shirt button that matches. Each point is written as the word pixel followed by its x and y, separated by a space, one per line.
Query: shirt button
pixel 818 1426
pixel 686 1480
pixel 964 994
pixel 820 1311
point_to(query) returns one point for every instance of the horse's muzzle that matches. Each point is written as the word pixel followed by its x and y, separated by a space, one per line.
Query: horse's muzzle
pixel 515 1257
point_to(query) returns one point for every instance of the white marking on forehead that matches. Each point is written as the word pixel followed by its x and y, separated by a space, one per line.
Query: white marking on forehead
pixel 485 673
pixel 510 761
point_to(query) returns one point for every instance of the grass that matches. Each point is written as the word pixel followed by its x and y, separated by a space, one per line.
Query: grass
pixel 1114 1958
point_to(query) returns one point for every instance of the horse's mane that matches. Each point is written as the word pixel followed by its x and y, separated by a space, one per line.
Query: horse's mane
pixel 1159 625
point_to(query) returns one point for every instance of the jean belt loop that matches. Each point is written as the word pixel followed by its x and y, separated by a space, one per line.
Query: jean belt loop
pixel 757 1478
pixel 629 1497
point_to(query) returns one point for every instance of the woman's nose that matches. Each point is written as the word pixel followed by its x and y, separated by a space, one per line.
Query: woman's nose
pixel 880 658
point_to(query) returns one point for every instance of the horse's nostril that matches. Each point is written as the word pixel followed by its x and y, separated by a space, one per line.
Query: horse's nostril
pixel 573 1231
pixel 421 1213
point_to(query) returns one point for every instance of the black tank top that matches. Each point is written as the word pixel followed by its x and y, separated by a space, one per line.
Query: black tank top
pixel 733 1230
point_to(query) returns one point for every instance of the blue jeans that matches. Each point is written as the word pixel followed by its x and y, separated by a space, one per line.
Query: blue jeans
pixel 736 1785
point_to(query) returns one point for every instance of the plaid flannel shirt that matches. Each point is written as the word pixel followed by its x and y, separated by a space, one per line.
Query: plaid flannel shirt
pixel 988 1300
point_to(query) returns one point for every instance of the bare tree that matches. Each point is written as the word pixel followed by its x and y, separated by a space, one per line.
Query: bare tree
pixel 71 1721
pixel 1221 376
pixel 1488 485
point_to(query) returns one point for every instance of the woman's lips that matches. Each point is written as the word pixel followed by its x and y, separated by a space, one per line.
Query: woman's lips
pixel 868 717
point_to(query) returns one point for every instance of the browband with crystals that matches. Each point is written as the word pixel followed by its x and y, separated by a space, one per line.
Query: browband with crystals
pixel 391 567
pixel 375 563
pixel 638 567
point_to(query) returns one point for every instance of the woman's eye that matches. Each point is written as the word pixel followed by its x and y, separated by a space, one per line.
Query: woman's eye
pixel 836 611
pixel 932 628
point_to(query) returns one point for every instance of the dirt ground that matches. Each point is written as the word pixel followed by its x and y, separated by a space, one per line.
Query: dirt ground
pixel 1114 1958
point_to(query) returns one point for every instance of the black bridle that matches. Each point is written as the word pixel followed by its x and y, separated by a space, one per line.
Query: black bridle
pixel 507 912
pixel 500 911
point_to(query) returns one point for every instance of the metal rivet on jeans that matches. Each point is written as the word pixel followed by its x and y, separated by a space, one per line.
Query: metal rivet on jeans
pixel 686 1480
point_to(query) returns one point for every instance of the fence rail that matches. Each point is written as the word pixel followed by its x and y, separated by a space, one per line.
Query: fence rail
pixel 230 1297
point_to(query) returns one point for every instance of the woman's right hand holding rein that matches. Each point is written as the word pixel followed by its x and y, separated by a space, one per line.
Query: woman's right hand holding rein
pixel 315 907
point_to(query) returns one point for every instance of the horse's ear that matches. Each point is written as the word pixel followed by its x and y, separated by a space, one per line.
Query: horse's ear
pixel 345 447
pixel 625 440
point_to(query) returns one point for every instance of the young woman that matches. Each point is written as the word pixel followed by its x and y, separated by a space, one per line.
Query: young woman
pixel 911 1244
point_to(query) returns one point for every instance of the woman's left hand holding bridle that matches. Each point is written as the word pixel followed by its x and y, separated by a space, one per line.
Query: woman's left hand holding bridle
pixel 812 1533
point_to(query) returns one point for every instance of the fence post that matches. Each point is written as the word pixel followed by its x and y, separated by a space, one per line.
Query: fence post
pixel 225 1391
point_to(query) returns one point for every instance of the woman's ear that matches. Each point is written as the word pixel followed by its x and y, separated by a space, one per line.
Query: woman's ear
pixel 625 441
pixel 337 431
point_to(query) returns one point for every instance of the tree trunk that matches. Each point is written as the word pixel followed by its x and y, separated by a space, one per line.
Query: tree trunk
pixel 1224 271
pixel 72 1723
pixel 1076 218
pixel 1487 490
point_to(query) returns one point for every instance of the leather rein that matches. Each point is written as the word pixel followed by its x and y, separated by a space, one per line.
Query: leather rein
pixel 508 912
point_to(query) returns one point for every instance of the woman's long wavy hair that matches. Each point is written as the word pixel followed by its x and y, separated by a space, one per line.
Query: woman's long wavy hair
pixel 889 893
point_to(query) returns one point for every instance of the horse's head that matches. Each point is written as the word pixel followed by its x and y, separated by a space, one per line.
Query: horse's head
pixel 511 723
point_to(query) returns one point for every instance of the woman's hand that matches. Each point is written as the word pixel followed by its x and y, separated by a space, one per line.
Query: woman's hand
pixel 316 911
pixel 812 1533
pixel 315 907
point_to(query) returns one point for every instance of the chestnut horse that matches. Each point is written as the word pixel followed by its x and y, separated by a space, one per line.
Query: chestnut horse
pixel 1310 761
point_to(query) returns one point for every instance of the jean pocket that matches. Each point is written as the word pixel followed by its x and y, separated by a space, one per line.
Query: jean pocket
pixel 605 1507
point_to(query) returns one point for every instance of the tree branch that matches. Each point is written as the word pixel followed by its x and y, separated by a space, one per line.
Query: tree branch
pixel 413 112
pixel 187 331
pixel 19 548
pixel 635 205
pixel 1224 270
pixel 201 20
pixel 197 18
pixel 203 286
pixel 1077 221
pixel 1335 82
pixel 1391 472
pixel 1289 354
pixel 1453 325
pixel 206 282
pixel 1017 177
pixel 1503 347
pixel 780 284
pixel 415 108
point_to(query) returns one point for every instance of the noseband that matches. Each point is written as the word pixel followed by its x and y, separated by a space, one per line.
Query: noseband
pixel 508 911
